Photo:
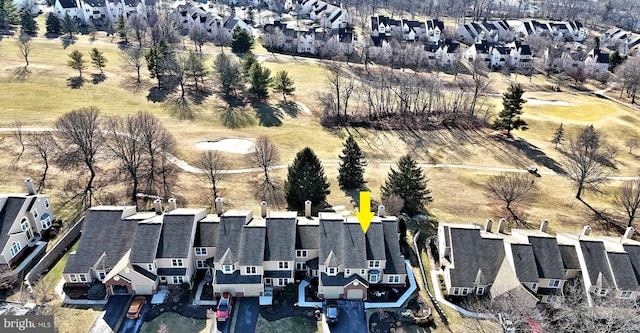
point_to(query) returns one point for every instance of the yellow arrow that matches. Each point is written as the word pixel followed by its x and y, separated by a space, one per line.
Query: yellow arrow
pixel 365 215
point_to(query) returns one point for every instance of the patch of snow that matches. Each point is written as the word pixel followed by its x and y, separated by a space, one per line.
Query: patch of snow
pixel 235 146
pixel 261 59
pixel 535 101
pixel 304 108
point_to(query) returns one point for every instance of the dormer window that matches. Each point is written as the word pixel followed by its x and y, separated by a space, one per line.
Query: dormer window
pixel 332 271
pixel 227 269
pixel 374 263
pixel 283 265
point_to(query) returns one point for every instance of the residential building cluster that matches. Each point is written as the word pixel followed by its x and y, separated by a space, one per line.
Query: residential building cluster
pixel 245 255
pixel 101 12
pixel 625 42
pixel 218 27
pixel 534 265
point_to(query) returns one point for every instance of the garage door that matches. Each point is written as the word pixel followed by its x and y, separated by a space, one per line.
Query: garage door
pixel 331 293
pixel 144 289
pixel 251 291
pixel 355 294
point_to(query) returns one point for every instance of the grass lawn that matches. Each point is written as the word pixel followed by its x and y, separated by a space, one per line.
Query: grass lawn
pixel 177 323
pixel 293 325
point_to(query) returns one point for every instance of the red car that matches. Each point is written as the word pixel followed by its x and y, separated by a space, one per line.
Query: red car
pixel 224 307
pixel 136 307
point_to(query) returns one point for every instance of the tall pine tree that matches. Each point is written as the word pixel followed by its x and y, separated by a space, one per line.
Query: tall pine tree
pixel 352 163
pixel 283 83
pixel 558 136
pixel 68 25
pixel 509 118
pixel 28 23
pixel 241 41
pixel 53 24
pixel 260 79
pixel 98 59
pixel 306 181
pixel 409 183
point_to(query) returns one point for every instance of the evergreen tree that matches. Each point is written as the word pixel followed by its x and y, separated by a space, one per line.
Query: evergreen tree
pixel 28 23
pixel 260 79
pixel 247 61
pixel 53 24
pixel 77 61
pixel 241 41
pixel 121 29
pixel 228 74
pixel 68 25
pixel 283 83
pixel 408 183
pixel 98 59
pixel 156 57
pixel 91 29
pixel 615 59
pixel 509 118
pixel 9 13
pixel 306 181
pixel 352 163
pixel 558 136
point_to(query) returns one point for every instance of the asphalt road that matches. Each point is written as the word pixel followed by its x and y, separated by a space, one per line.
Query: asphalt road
pixel 247 309
pixel 134 325
pixel 114 308
pixel 352 318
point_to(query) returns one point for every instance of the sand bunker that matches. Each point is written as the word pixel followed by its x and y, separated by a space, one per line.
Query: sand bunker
pixel 534 101
pixel 236 146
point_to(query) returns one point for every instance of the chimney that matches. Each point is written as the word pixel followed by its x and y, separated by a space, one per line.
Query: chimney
pixel 263 209
pixel 488 225
pixel 171 204
pixel 629 233
pixel 31 188
pixel 543 225
pixel 157 206
pixel 501 224
pixel 219 208
pixel 586 230
pixel 381 210
pixel 307 208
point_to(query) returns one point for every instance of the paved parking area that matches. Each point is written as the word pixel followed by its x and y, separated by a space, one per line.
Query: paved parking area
pixel 134 325
pixel 353 318
pixel 114 308
pixel 247 309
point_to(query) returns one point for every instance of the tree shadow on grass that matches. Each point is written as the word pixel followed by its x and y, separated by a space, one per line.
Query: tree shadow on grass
pixel 75 82
pixel 268 116
pixel 181 108
pixel 534 153
pixel 50 35
pixel 66 42
pixel 236 117
pixel 157 95
pixel 20 73
pixel 198 97
pixel 290 108
pixel 98 78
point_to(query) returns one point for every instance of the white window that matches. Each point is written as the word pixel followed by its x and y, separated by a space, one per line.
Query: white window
pixel 282 282
pixel 283 265
pixel 46 223
pixel 465 291
pixel 534 286
pixel 394 279
pixel 34 213
pixel 228 268
pixel 300 266
pixel 554 283
pixel 178 279
pixel 46 203
pixel 15 249
pixel 250 269
pixel 456 291
pixel 24 224
pixel 201 251
pixel 479 291
pixel 201 264
pixel 101 275
pixel 176 262
pixel 83 277
pixel 625 294
pixel 331 270
pixel 374 263
pixel 73 278
pixel 374 277
pixel 301 253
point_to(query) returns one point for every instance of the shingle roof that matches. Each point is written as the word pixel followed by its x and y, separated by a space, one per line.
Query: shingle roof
pixel 313 263
pixel 524 262
pixel 569 256
pixel 395 260
pixel 622 269
pixel 145 242
pixel 227 258
pixel 103 232
pixel 340 280
pixel 634 256
pixel 330 238
pixel 8 215
pixel 206 234
pixel 172 271
pixel 470 253
pixel 307 237
pixel 68 3
pixel 375 242
pixel 595 259
pixel 354 253
pixel 332 260
pixel 175 239
pixel 280 242
pixel 252 246
pixel 236 278
pixel 229 233
pixel 95 3
pixel 548 257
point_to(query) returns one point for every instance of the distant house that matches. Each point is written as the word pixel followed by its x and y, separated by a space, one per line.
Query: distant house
pixel 520 55
pixel 64 7
pixel 25 218
pixel 435 30
pixel 597 60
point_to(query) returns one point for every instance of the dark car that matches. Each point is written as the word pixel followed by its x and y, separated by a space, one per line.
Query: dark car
pixel 224 307
pixel 331 312
pixel 136 307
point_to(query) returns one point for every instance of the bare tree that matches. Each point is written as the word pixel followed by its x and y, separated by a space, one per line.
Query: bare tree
pixel 138 25
pixel 512 188
pixel 160 174
pixel 336 100
pixel 264 156
pixel 198 35
pixel 632 143
pixel 584 158
pixel 18 134
pixel 25 47
pixel 80 140
pixel 44 144
pixel 393 204
pixel 628 198
pixel 214 166
pixel 132 59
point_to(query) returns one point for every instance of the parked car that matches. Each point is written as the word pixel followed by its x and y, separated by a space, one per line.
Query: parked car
pixel 224 307
pixel 331 312
pixel 136 307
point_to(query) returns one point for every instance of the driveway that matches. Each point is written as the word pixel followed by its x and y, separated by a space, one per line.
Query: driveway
pixel 247 310
pixel 134 325
pixel 115 307
pixel 353 318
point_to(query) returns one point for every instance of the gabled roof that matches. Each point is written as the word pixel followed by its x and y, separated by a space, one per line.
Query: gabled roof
pixel 622 270
pixel 524 48
pixel 280 242
pixel 231 22
pixel 433 23
pixel 354 253
pixel 227 258
pixel 595 259
pixel 145 273
pixel 237 278
pixel 375 242
pixel 452 46
pixel 345 239
pixel 68 3
pixel 548 258
pixel 105 237
pixel 502 49
pixel 340 280
pixel 307 236
pixel 252 246
pixel 145 242
pixel 634 256
pixel 471 252
pixel 331 260
pixel 175 239
pixel 524 262
pixel 8 216
pixel 395 260
pixel 95 3
pixel 229 233
pixel 206 233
